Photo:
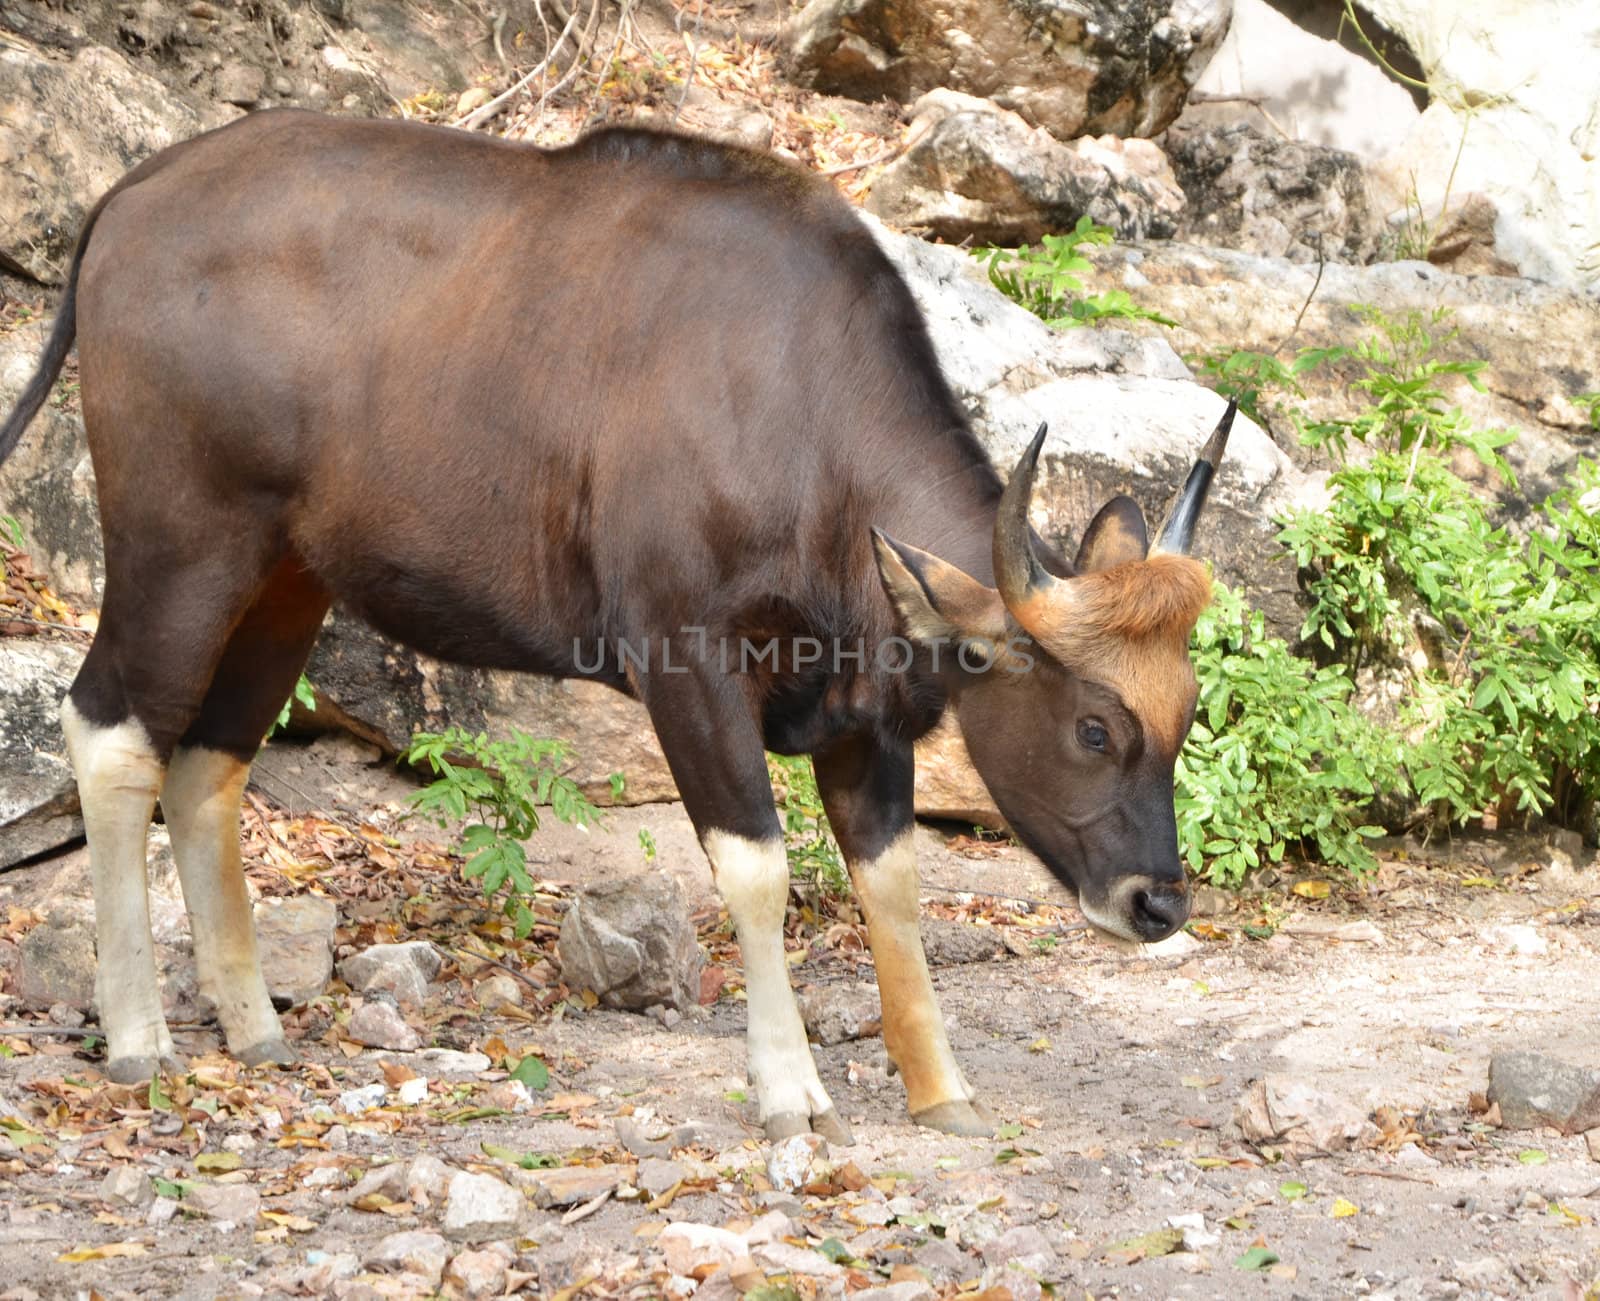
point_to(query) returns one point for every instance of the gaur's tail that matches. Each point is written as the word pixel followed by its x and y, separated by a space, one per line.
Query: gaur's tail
pixel 58 345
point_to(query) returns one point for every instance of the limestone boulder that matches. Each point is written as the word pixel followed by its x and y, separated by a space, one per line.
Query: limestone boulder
pixel 1252 190
pixel 74 125
pixel 39 809
pixel 1118 66
pixel 977 172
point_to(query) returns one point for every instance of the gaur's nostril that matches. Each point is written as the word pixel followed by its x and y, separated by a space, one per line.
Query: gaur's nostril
pixel 1159 912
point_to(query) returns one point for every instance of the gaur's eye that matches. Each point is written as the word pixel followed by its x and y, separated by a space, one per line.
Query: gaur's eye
pixel 1093 736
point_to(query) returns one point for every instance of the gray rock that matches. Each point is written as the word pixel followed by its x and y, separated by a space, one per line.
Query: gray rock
pixel 241 84
pixel 1122 66
pixel 979 173
pixel 568 1185
pixel 126 1185
pixel 476 1274
pixel 1024 1246
pixel 637 1142
pixel 58 963
pixel 913 1290
pixel 38 795
pixel 1534 1090
pixel 295 936
pixel 656 1176
pixel 427 1180
pixel 945 1263
pixel 416 1251
pixel 48 484
pixel 400 970
pixel 689 1247
pixel 72 129
pixel 481 1207
pixel 1281 198
pixel 236 1205
pixel 380 1025
pixel 497 991
pixel 950 943
pixel 836 1014
pixel 631 940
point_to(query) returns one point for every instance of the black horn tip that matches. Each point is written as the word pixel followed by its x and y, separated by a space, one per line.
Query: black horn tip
pixel 1218 442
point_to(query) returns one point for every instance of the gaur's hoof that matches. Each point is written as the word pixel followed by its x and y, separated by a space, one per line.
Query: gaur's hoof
pixel 958 1116
pixel 141 1069
pixel 786 1124
pixel 274 1052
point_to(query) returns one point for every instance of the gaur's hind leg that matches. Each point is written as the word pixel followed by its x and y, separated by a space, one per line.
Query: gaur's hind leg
pixel 713 746
pixel 866 789
pixel 205 783
pixel 170 605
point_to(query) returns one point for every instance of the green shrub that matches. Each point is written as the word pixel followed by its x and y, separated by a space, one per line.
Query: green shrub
pixel 1278 759
pixel 1048 280
pixel 502 785
pixel 813 855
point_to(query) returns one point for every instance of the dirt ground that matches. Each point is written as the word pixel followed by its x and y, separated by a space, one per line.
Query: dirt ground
pixel 1116 1071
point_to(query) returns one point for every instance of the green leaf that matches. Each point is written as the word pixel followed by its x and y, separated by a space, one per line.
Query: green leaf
pixel 1256 1259
pixel 1292 1190
pixel 155 1097
pixel 1533 1156
pixel 217 1162
pixel 532 1072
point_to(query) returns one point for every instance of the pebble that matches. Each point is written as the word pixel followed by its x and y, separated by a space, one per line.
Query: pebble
pixel 790 1161
pixel 656 1176
pixel 480 1273
pixel 498 991
pixel 126 1185
pixel 448 1061
pixel 412 1092
pixel 689 1247
pixel 427 1180
pixel 509 1095
pixel 479 1207
pixel 355 1101
pixel 295 939
pixel 380 1025
pixel 230 1205
pixel 400 970
pixel 1196 1237
pixel 416 1251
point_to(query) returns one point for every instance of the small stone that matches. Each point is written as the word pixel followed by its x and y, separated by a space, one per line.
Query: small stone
pixel 65 1014
pixel 789 1163
pixel 946 1263
pixel 230 1205
pixel 415 1252
pixel 412 1092
pixel 568 1185
pixel 427 1180
pixel 786 1258
pixel 498 991
pixel 632 941
pixel 949 943
pixel 1024 1246
pixel 126 1185
pixel 836 1014
pixel 57 963
pixel 906 1290
pixel 774 1226
pixel 382 1181
pixel 282 86
pixel 448 1061
pixel 509 1095
pixel 1532 1090
pixel 1592 1141
pixel 295 940
pixel 1522 940
pixel 238 83
pixel 478 1273
pixel 400 970
pixel 380 1025
pixel 1196 1237
pixel 355 1101
pixel 1281 1108
pixel 161 1211
pixel 480 1207
pixel 689 1247
pixel 656 1176
pixel 636 1142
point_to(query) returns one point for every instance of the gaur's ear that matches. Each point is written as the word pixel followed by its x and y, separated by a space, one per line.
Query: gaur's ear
pixel 935 601
pixel 1115 536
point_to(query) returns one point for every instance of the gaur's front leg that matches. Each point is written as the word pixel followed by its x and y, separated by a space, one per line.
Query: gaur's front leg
pixel 866 788
pixel 713 746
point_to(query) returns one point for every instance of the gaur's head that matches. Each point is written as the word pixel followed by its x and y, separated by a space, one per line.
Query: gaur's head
pixel 1075 691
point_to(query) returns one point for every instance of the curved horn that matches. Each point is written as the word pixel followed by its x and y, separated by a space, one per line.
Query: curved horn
pixel 1021 578
pixel 1177 533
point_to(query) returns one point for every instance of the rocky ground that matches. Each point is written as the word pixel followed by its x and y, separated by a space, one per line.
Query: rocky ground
pixel 1294 1090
